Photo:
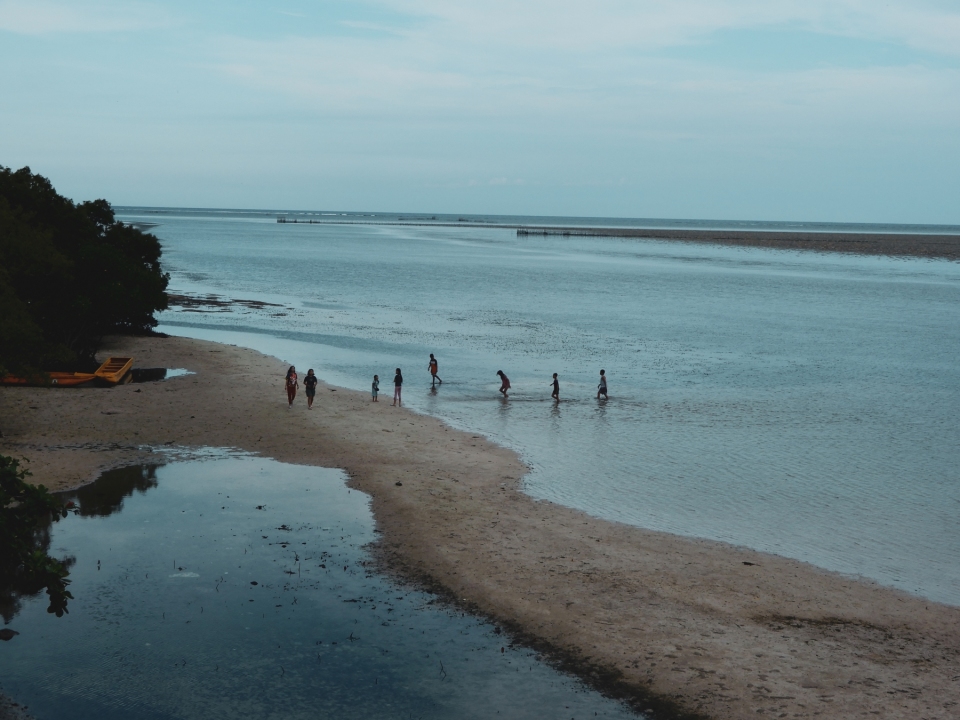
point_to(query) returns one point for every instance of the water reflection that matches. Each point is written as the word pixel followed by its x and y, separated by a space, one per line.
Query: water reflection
pixel 106 495
pixel 99 499
pixel 173 566
pixel 15 590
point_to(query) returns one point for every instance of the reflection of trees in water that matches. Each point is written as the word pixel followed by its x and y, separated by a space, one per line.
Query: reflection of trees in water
pixel 14 589
pixel 105 496
pixel 101 498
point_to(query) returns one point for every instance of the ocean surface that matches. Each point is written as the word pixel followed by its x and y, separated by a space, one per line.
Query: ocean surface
pixel 799 403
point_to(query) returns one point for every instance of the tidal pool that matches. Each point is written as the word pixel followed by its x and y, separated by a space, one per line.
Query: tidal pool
pixel 240 587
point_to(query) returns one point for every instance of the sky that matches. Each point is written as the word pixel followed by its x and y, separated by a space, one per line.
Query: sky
pixel 814 110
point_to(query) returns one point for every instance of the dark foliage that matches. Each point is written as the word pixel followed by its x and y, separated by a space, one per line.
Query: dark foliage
pixel 69 275
pixel 26 512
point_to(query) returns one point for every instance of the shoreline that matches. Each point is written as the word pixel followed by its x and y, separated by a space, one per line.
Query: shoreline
pixel 686 627
pixel 942 246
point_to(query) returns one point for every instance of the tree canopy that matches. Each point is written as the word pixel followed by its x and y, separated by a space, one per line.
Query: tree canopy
pixel 69 275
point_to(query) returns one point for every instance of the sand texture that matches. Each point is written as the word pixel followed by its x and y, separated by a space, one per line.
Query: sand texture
pixel 685 627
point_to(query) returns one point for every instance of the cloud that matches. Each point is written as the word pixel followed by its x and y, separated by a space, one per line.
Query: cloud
pixel 573 64
pixel 646 25
pixel 501 99
pixel 43 17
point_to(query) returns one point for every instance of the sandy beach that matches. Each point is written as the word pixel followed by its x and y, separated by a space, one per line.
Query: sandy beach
pixel 678 626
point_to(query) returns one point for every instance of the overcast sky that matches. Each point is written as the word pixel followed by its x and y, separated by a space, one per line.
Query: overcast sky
pixel 839 110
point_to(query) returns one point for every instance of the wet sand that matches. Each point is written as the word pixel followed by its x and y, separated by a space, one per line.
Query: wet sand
pixel 687 628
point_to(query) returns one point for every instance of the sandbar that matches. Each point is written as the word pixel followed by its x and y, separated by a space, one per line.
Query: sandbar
pixel 679 627
pixel 925 245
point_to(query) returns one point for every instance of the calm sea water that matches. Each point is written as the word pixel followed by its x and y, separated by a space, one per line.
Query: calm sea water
pixel 795 402
pixel 238 587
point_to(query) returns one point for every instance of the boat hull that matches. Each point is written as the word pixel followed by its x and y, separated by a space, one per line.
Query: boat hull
pixel 58 379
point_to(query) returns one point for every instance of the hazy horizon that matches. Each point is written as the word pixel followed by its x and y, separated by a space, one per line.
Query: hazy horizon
pixel 819 111
pixel 467 219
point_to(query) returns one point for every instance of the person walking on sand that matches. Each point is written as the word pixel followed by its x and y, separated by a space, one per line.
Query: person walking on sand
pixel 432 367
pixel 375 387
pixel 602 387
pixel 556 388
pixel 310 387
pixel 291 385
pixel 397 387
pixel 504 382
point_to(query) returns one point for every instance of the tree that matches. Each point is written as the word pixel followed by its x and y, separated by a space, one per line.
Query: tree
pixel 69 275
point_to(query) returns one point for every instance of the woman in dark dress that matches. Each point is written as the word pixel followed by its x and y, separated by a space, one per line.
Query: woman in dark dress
pixel 310 387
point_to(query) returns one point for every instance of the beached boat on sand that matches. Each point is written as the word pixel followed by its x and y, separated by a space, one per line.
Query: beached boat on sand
pixel 60 379
pixel 114 369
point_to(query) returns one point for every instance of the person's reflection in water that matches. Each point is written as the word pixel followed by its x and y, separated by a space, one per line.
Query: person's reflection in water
pixel 555 417
pixel 601 413
pixel 504 408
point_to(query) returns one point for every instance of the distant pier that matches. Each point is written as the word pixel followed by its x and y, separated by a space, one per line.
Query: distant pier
pixel 299 222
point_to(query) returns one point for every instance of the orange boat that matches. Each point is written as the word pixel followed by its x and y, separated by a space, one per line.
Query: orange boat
pixel 114 369
pixel 60 379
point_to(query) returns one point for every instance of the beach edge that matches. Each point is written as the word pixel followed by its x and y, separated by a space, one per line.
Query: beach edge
pixel 683 627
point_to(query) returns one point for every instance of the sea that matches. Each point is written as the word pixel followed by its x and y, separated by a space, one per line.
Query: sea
pixel 795 402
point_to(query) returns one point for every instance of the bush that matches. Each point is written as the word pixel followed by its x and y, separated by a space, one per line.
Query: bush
pixel 69 275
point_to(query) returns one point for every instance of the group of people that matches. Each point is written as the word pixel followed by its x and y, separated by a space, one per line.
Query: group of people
pixel 601 388
pixel 310 384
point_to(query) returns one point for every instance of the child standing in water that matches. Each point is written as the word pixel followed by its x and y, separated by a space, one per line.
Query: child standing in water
pixel 433 367
pixel 310 387
pixel 291 385
pixel 556 388
pixel 504 382
pixel 397 387
pixel 602 387
pixel 375 388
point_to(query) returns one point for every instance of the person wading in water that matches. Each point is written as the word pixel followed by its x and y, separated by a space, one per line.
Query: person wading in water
pixel 433 367
pixel 504 382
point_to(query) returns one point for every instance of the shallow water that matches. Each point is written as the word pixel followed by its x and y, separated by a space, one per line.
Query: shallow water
pixel 238 587
pixel 794 402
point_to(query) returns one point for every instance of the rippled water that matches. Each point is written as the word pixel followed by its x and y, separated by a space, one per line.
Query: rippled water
pixel 800 403
pixel 238 587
